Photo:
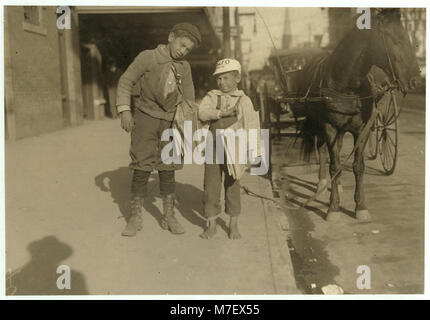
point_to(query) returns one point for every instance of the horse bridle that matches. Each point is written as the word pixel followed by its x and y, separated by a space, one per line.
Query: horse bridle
pixel 390 63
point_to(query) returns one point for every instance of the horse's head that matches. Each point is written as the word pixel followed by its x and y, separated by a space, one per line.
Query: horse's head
pixel 392 50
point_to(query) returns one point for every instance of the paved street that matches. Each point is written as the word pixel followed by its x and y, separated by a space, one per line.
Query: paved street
pixel 391 245
pixel 67 194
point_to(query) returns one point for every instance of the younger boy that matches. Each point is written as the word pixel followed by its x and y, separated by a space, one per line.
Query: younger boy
pixel 163 80
pixel 222 108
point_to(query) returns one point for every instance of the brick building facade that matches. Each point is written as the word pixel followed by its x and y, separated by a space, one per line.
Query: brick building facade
pixel 55 77
pixel 35 74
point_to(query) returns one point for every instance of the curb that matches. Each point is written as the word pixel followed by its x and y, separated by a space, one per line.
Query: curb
pixel 277 234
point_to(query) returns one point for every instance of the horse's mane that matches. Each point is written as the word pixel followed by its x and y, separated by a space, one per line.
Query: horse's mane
pixel 319 69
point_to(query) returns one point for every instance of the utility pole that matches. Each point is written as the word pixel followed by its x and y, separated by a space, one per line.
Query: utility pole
pixel 237 40
pixel 238 47
pixel 286 36
pixel 226 32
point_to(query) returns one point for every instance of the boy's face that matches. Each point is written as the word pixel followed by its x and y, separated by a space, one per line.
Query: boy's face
pixel 228 81
pixel 180 47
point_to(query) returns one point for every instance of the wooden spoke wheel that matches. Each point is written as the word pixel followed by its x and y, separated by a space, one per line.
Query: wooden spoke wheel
pixel 386 128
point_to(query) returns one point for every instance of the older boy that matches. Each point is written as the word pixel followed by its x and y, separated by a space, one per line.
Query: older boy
pixel 162 79
pixel 221 107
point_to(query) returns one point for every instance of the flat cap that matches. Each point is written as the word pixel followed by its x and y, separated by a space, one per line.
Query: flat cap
pixel 190 29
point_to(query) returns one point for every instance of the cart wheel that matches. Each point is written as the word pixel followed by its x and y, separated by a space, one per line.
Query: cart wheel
pixel 372 142
pixel 386 125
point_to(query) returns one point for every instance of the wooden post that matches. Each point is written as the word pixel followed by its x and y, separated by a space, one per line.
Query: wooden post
pixel 73 75
pixel 10 129
pixel 238 48
pixel 226 32
pixel 237 40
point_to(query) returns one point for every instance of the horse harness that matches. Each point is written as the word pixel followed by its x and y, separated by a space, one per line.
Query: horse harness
pixel 366 127
pixel 333 98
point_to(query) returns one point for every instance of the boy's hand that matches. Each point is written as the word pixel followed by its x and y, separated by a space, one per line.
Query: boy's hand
pixel 127 122
pixel 228 113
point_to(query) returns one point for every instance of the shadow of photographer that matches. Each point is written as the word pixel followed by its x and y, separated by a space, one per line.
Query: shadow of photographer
pixel 42 273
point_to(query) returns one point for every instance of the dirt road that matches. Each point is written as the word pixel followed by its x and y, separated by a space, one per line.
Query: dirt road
pixel 391 245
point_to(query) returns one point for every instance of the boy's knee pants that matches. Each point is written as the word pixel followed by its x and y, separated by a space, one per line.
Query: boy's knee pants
pixel 139 183
pixel 212 191
pixel 146 144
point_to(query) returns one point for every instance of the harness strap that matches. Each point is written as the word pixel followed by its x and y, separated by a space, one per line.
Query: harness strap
pixel 218 104
pixel 225 122
pixel 389 58
pixel 237 102
pixel 314 76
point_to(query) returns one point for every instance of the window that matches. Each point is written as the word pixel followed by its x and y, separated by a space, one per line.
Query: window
pixel 33 19
pixel 31 15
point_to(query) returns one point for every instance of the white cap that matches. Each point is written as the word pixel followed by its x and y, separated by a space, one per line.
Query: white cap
pixel 226 65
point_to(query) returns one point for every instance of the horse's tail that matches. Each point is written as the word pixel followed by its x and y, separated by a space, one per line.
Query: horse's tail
pixel 310 133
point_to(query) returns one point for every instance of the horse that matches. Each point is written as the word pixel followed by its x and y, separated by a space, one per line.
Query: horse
pixel 263 92
pixel 341 80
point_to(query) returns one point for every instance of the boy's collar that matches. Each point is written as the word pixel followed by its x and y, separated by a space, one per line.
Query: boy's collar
pixel 235 93
pixel 162 54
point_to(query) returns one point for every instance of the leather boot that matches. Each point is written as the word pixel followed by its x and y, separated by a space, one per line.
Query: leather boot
pixel 134 223
pixel 169 221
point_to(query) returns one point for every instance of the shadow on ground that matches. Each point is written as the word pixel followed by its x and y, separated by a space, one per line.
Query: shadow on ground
pixel 189 198
pixel 39 276
pixel 311 264
pixel 300 198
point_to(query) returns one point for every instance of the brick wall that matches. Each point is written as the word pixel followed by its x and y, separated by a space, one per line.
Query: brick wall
pixel 35 74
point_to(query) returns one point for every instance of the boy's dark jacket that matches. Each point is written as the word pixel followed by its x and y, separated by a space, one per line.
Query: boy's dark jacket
pixel 145 80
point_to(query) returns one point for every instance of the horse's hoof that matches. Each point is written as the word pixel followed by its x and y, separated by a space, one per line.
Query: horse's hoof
pixel 322 187
pixel 320 193
pixel 362 214
pixel 333 216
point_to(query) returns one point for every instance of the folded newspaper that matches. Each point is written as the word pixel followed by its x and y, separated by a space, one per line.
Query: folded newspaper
pixel 186 111
pixel 247 119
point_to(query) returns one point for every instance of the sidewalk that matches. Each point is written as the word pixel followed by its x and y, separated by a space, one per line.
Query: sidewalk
pixel 66 195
